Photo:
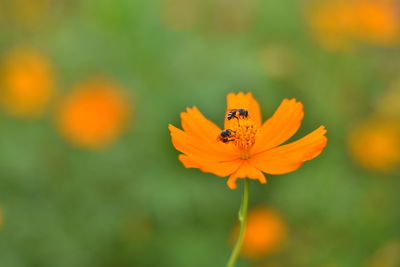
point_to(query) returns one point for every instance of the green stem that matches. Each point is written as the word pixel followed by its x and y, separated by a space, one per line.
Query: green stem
pixel 242 220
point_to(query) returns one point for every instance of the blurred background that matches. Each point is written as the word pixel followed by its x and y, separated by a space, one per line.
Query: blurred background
pixel 88 174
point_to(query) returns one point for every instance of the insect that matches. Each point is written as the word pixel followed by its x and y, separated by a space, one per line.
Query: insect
pixel 235 113
pixel 224 136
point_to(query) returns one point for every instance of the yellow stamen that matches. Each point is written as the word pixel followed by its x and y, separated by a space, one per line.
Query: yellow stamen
pixel 244 133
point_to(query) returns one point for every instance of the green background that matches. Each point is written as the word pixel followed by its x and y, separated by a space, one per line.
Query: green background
pixel 134 204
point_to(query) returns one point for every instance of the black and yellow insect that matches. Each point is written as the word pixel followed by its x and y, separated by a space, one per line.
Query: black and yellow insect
pixel 236 113
pixel 224 136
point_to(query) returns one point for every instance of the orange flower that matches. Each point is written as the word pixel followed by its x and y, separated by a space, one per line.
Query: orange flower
pixel 253 147
pixel 371 21
pixel 378 21
pixel 266 232
pixel 375 144
pixel 28 83
pixel 333 34
pixel 94 114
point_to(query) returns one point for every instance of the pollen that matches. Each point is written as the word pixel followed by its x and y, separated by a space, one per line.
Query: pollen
pixel 244 135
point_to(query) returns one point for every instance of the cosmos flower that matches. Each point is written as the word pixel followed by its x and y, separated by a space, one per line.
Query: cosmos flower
pixel 28 83
pixel 253 147
pixel 94 114
pixel 375 144
pixel 266 231
pixel 367 21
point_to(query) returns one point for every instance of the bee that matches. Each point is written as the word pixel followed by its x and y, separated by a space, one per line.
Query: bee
pixel 224 136
pixel 235 113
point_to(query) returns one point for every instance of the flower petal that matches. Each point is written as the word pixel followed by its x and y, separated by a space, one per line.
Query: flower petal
pixel 190 145
pixel 204 131
pixel 198 142
pixel 245 171
pixel 218 168
pixel 281 126
pixel 287 158
pixel 245 101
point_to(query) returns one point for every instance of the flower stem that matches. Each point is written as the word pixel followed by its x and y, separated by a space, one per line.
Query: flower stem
pixel 242 220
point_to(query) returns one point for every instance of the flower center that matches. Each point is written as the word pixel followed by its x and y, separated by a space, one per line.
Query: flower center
pixel 243 135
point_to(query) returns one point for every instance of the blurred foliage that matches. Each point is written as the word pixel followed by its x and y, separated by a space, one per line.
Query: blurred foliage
pixel 131 203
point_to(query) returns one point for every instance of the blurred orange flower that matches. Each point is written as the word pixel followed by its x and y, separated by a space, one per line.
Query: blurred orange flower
pixel 266 232
pixel 28 83
pixel 246 148
pixel 339 24
pixel 375 144
pixel 94 114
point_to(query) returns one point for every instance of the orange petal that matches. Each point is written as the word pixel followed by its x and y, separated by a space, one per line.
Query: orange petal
pixel 287 158
pixel 281 126
pixel 200 137
pixel 190 145
pixel 198 142
pixel 218 168
pixel 204 131
pixel 245 101
pixel 188 163
pixel 245 171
